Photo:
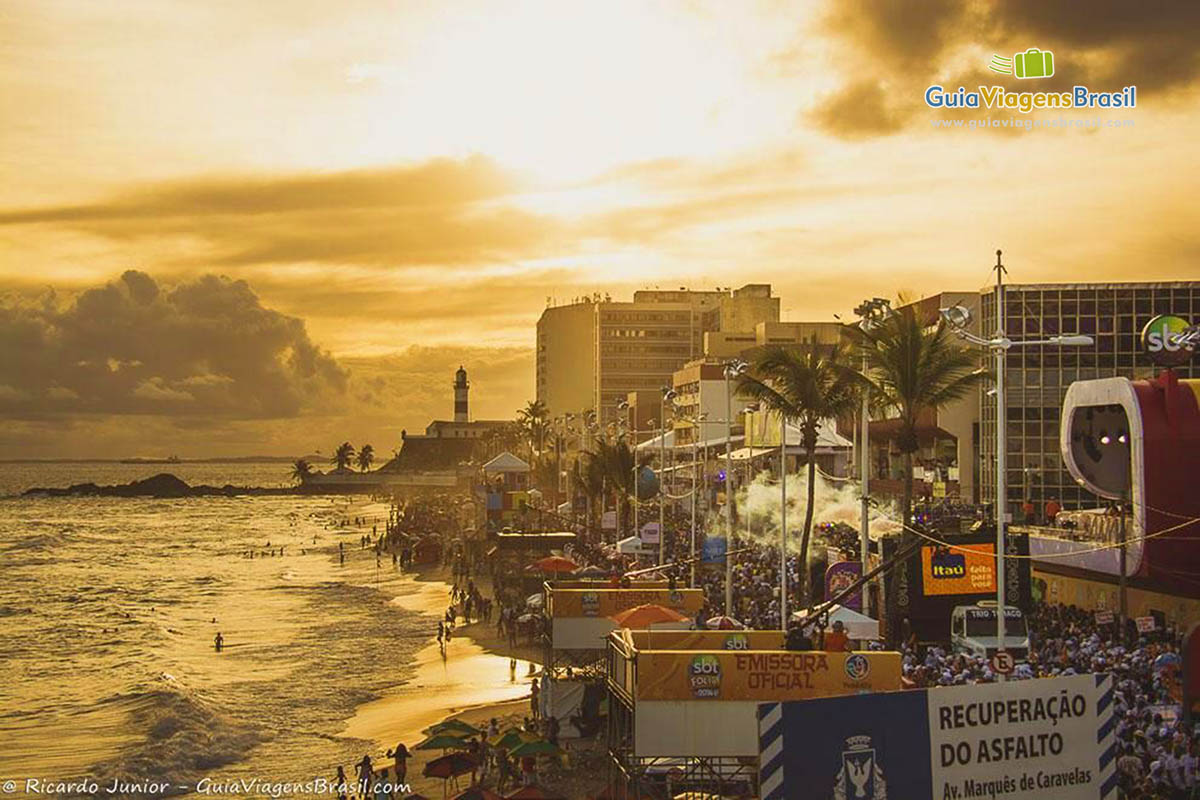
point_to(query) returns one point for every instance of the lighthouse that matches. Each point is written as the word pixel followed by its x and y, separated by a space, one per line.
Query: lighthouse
pixel 461 387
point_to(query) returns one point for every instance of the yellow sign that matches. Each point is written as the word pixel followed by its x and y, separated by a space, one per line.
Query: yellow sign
pixel 959 570
pixel 708 640
pixel 607 602
pixel 763 676
pixel 762 429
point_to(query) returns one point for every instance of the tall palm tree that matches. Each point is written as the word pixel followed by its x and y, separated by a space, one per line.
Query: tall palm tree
pixel 806 384
pixel 301 471
pixel 588 476
pixel 914 366
pixel 366 456
pixel 532 419
pixel 343 456
pixel 616 461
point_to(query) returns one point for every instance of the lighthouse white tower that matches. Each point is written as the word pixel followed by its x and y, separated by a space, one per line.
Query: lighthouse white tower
pixel 461 387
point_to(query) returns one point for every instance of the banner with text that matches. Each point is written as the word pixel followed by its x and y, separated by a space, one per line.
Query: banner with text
pixel 758 675
pixel 1018 740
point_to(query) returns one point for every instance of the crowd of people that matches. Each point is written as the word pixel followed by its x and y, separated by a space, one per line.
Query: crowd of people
pixel 1157 756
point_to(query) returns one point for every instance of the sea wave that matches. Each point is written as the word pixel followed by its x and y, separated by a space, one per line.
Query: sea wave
pixel 184 736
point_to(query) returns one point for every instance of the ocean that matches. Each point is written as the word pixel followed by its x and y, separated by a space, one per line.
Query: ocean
pixel 108 612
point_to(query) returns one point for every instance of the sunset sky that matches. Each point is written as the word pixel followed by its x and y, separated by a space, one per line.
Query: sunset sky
pixel 401 185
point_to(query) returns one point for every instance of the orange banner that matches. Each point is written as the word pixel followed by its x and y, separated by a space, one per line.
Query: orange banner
pixel 608 602
pixel 763 676
pixel 969 569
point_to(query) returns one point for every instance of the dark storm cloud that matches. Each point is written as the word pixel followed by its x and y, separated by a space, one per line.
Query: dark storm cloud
pixel 205 347
pixel 1107 44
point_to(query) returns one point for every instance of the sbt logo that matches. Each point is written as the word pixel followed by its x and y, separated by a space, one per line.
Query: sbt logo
pixel 737 641
pixel 1161 340
pixel 704 675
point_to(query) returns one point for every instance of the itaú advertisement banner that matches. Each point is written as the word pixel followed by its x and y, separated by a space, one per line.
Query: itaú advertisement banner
pixel 965 569
pixel 608 602
pixel 761 676
pixel 1020 740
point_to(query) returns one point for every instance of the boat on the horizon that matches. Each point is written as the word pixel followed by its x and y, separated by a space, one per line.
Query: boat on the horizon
pixel 140 460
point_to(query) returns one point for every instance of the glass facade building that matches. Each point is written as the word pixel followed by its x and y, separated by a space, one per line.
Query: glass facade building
pixel 1037 377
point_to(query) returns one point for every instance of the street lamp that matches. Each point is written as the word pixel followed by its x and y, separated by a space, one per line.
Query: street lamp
pixel 668 396
pixel 733 369
pixel 873 312
pixel 958 317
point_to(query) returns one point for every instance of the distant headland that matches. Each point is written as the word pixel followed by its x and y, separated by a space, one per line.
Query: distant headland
pixel 163 485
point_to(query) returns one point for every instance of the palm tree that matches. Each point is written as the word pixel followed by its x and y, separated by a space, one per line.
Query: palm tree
pixel 301 471
pixel 343 456
pixel 589 477
pixel 366 456
pixel 914 366
pixel 532 419
pixel 615 461
pixel 806 384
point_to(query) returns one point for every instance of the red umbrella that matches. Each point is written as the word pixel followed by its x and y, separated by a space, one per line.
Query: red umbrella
pixel 724 623
pixel 533 792
pixel 641 617
pixel 553 564
pixel 450 766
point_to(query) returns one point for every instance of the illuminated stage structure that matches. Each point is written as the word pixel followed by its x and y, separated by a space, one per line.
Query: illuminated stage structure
pixel 1135 443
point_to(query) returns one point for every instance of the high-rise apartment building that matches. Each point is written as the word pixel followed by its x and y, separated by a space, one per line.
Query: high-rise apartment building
pixel 1036 378
pixel 592 353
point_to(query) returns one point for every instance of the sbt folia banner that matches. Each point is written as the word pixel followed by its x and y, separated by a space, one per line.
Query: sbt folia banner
pixel 1020 740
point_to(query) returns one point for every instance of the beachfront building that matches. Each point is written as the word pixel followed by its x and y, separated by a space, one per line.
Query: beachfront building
pixel 592 352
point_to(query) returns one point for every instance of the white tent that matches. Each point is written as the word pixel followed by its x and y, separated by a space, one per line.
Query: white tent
pixel 858 626
pixel 505 462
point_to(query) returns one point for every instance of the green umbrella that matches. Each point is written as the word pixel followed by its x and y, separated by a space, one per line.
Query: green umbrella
pixel 454 727
pixel 511 738
pixel 539 748
pixel 443 741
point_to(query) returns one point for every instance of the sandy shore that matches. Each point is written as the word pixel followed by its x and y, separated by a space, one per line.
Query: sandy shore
pixel 474 680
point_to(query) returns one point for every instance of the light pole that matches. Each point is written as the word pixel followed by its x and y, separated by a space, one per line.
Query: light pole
pixel 958 317
pixel 783 581
pixel 668 396
pixel 872 313
pixel 734 369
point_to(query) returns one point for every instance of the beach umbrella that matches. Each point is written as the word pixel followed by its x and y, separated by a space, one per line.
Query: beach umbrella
pixel 533 792
pixel 454 727
pixel 477 793
pixel 443 741
pixel 553 564
pixel 540 747
pixel 724 623
pixel 450 766
pixel 511 738
pixel 643 616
